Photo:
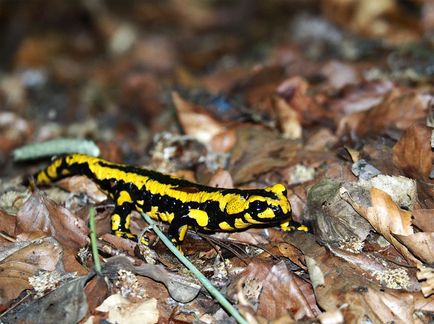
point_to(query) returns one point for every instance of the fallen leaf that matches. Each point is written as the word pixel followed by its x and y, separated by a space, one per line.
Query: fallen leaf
pixel 82 184
pixel 258 151
pixel 66 304
pixel 8 223
pixel 22 260
pixel 288 119
pixel 120 310
pixel 42 214
pixel 334 220
pixel 360 97
pixel 426 275
pixel 341 285
pixel 295 91
pixel 195 121
pixel 412 153
pixel 396 112
pixel 386 218
pixel 340 74
pixel 424 219
pixel 273 291
pixel 420 244
pixel 221 179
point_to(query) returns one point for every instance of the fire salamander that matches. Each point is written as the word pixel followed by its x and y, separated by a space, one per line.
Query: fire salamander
pixel 180 203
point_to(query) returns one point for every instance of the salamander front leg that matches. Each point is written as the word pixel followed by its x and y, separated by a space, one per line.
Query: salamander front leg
pixel 178 229
pixel 121 218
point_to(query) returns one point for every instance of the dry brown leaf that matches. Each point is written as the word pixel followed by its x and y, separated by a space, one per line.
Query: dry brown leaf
pixel 222 81
pixel 390 307
pixel 340 74
pixel 221 179
pixel 120 310
pixel 273 291
pixel 374 18
pixel 42 214
pixel 14 130
pixel 288 119
pixel 426 276
pixel 420 244
pixel 295 91
pixel 361 97
pixel 412 153
pixel 258 151
pixel 82 184
pixel 253 236
pixel 224 142
pixel 386 218
pixel 8 223
pixel 396 111
pixel 346 287
pixel 424 219
pixel 96 291
pixel 24 259
pixel 292 253
pixel 195 121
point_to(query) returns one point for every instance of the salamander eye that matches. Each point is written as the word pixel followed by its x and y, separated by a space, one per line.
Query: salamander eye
pixel 257 206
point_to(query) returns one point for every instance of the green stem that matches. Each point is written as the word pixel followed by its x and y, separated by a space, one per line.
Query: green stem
pixel 190 266
pixel 93 240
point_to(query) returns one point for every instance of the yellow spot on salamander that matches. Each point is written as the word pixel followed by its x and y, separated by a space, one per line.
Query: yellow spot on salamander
pixel 303 228
pixel 225 226
pixel 200 216
pixel 42 178
pixel 124 196
pixel 268 213
pixel 166 217
pixel 251 220
pixel 235 204
pixel 52 169
pixel 240 223
pixel 116 222
pixel 182 232
pixel 154 212
pixel 127 221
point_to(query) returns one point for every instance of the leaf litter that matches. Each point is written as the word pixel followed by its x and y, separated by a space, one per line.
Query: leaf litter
pixel 332 99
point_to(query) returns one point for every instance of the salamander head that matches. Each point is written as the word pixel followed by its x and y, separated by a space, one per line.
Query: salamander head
pixel 272 207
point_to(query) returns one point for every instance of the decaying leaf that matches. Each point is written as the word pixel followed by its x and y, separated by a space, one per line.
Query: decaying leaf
pixel 179 288
pixel 22 260
pixel 83 184
pixel 272 291
pixel 412 153
pixel 420 244
pixel 396 111
pixel 221 179
pixel 258 151
pixel 426 275
pixel 195 121
pixel 295 91
pixel 66 304
pixel 424 219
pixel 121 310
pixel 42 214
pixel 333 219
pixel 288 119
pixel 346 287
pixel 387 219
